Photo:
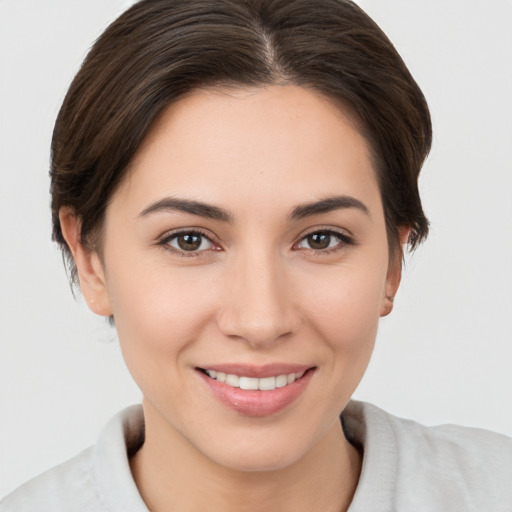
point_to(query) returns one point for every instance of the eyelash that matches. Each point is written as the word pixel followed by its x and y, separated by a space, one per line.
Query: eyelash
pixel 344 241
pixel 168 238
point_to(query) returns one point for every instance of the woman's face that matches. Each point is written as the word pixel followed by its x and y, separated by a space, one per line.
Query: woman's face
pixel 249 240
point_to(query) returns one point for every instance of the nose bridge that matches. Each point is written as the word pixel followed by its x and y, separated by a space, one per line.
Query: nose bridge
pixel 258 306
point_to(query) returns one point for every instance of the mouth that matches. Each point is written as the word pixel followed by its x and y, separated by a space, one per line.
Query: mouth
pixel 259 391
pixel 254 383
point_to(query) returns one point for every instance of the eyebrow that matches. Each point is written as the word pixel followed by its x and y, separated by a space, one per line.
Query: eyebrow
pixel 172 204
pixel 327 205
pixel 301 211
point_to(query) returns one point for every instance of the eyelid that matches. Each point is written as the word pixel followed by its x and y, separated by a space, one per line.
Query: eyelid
pixel 164 240
pixel 325 228
pixel 346 238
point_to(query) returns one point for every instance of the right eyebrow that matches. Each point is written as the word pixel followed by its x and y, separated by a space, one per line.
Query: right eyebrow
pixel 172 204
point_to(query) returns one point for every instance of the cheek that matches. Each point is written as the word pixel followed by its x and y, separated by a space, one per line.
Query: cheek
pixel 344 310
pixel 159 312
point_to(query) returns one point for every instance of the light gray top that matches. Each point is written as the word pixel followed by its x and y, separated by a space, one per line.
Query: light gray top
pixel 406 467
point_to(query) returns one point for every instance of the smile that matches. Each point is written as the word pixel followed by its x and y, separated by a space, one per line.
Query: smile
pixel 257 391
pixel 253 383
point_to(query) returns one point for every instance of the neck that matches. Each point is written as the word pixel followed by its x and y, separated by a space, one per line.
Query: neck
pixel 171 475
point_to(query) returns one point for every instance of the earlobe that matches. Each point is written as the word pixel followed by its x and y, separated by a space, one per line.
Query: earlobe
pixel 394 274
pixel 392 283
pixel 89 266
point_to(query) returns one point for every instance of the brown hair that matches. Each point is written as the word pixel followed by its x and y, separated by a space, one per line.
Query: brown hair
pixel 159 50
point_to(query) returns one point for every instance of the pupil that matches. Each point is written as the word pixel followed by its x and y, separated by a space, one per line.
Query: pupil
pixel 319 240
pixel 189 242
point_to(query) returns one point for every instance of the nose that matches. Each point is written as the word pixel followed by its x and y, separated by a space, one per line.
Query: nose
pixel 258 306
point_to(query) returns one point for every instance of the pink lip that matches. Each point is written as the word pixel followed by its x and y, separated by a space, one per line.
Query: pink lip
pixel 257 403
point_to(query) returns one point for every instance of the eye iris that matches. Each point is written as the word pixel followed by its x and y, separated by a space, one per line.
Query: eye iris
pixel 189 242
pixel 319 240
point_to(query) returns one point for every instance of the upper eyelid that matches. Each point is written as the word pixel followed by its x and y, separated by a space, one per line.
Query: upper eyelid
pixel 183 231
pixel 326 229
pixel 164 243
pixel 169 235
pixel 345 239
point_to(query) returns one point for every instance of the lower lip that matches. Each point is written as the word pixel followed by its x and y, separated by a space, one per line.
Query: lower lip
pixel 257 403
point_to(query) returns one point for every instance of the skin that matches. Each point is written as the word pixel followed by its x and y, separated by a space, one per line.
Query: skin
pixel 256 293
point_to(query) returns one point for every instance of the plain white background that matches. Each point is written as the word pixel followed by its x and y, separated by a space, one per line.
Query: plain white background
pixel 444 355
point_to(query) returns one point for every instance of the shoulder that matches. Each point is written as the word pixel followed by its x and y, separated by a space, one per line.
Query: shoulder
pixel 446 467
pixel 69 486
pixel 98 479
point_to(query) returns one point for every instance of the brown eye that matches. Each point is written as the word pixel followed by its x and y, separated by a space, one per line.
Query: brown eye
pixel 324 240
pixel 189 242
pixel 319 240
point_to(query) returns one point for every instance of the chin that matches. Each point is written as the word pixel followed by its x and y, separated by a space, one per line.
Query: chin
pixel 266 448
pixel 258 459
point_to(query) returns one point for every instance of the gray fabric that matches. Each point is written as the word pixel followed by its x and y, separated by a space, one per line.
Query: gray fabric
pixel 412 468
pixel 96 480
pixel 406 467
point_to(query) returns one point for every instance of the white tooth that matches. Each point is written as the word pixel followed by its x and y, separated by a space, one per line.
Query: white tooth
pixel 267 383
pixel 281 381
pixel 248 383
pixel 291 378
pixel 233 380
pixel 299 375
pixel 221 377
pixel 212 373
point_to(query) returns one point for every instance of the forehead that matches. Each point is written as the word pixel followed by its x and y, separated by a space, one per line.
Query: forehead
pixel 280 143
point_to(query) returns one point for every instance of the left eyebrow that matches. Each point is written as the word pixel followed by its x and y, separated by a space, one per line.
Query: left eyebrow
pixel 326 205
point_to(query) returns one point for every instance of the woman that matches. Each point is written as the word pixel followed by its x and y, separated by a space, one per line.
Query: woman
pixel 233 184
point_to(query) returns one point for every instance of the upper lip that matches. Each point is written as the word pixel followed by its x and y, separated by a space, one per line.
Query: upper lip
pixel 260 372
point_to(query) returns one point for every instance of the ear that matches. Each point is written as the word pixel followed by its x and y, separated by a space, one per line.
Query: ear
pixel 89 266
pixel 394 274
